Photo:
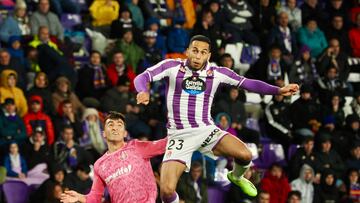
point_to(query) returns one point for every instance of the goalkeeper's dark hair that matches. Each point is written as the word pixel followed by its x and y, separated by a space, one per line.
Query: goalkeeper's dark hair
pixel 114 115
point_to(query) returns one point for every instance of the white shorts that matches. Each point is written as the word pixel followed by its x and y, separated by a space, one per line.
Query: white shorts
pixel 182 143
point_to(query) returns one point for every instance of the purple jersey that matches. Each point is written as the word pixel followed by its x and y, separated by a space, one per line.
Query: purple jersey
pixel 189 94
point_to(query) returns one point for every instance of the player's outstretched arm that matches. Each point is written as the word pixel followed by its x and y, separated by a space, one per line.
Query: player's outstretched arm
pixel 261 87
pixel 71 196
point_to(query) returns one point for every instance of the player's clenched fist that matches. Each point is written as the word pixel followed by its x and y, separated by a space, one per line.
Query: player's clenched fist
pixel 143 98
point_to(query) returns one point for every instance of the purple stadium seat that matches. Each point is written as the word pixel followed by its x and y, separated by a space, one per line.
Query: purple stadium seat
pixel 217 193
pixel 271 153
pixel 16 192
pixel 68 21
pixel 292 150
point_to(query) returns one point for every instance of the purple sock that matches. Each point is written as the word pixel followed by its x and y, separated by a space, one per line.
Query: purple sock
pixel 170 199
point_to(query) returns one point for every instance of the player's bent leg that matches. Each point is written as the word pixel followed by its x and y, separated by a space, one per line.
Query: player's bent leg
pixel 231 146
pixel 169 176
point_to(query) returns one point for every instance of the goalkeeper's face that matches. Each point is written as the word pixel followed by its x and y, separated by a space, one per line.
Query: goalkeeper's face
pixel 114 130
pixel 198 54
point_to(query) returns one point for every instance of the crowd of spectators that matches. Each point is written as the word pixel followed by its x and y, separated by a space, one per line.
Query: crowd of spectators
pixel 65 64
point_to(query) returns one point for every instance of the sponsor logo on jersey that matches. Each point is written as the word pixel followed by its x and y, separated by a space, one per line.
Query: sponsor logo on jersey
pixel 119 172
pixel 209 138
pixel 194 85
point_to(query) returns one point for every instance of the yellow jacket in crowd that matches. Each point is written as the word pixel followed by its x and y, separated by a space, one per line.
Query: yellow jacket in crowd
pixel 104 12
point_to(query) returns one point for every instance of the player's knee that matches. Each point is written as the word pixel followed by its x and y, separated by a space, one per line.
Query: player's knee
pixel 167 189
pixel 244 156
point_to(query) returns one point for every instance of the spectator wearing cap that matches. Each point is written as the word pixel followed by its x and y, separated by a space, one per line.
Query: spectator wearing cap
pixel 136 13
pixel 118 97
pixel 327 158
pixel 118 68
pixel 294 14
pixel 103 12
pixel 305 113
pixel 207 27
pixel 8 89
pixel 16 23
pixel 44 17
pixel 354 37
pixel 313 37
pixel 37 118
pixel 133 54
pixel 304 71
pixel 153 55
pixel 8 62
pixel 354 160
pixel 79 180
pixel 327 191
pixel 63 92
pixel 153 24
pixel 41 88
pixel 93 81
pixel 12 127
pixel 178 38
pixel 282 35
pixel 35 149
pixel 338 30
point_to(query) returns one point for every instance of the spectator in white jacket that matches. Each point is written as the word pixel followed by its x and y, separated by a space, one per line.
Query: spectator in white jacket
pixel 304 184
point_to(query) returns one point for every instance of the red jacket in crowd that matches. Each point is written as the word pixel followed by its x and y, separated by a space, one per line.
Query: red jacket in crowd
pixel 114 76
pixel 33 120
pixel 278 188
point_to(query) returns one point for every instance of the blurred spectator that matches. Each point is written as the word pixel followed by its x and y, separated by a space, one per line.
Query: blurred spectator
pixel 276 183
pixel 184 9
pixel 79 180
pixel 12 127
pixel 330 84
pixel 44 17
pixel 263 197
pixel 235 108
pixel 192 187
pixel 157 9
pixel 118 68
pixel 327 190
pixel 15 49
pixel 67 152
pixel 294 14
pixel 124 22
pixel 16 23
pixel 335 109
pixel 153 55
pixel 41 88
pixel 282 35
pixel 36 118
pixel 208 27
pixel 103 12
pixel 312 36
pixel 51 59
pixel 351 129
pixel 354 160
pixel 131 51
pixel 65 7
pixel 278 125
pixel 312 9
pixel 223 121
pixel 352 186
pixel 303 155
pixel 305 112
pixel 54 193
pixel 153 24
pixel 93 81
pixel 226 60
pixel 32 63
pixel 294 197
pixel 67 116
pixel 136 13
pixel 63 92
pixel 328 158
pixel 92 139
pixel 264 19
pixel 337 7
pixel 15 163
pixel 8 62
pixel 304 184
pixel 334 56
pixel 338 31
pixel 117 98
pixel 35 150
pixel 215 8
pixel 8 89
pixel 236 22
pixel 355 103
pixel 303 71
pixel 354 36
pixel 57 176
pixel 270 67
pixel 178 38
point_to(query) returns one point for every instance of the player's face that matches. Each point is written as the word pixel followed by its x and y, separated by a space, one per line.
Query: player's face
pixel 114 130
pixel 198 54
